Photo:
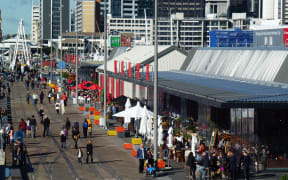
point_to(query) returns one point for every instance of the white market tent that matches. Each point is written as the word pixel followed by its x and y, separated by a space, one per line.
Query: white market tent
pixel 134 112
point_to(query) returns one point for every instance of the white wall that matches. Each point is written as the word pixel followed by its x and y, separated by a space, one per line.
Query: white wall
pixel 268 9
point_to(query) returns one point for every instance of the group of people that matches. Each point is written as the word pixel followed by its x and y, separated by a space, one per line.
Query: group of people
pixel 76 136
pixel 222 161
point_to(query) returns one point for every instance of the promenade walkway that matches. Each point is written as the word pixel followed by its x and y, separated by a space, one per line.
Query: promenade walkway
pixel 49 161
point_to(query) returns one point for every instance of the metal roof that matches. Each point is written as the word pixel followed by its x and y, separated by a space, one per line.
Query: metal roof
pixel 249 63
pixel 221 90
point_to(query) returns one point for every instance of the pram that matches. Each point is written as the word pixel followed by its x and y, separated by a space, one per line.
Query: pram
pixel 150 169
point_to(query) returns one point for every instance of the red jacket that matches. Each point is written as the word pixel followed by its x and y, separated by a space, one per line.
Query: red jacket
pixel 22 125
pixel 64 97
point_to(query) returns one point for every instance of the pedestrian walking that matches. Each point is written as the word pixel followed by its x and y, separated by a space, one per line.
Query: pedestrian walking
pixel 46 124
pixel 41 97
pixel 49 96
pixel 57 107
pixel 33 124
pixel 75 136
pixel 85 127
pixel 22 126
pixel 41 113
pixel 28 128
pixel 64 98
pixel 244 163
pixel 7 139
pixel 75 125
pixel 62 107
pixel 63 138
pixel 11 135
pixel 89 126
pixel 89 151
pixel 67 125
pixel 35 98
pixel 232 165
pixel 18 155
pixel 27 97
pixel 32 84
pixel 55 97
pixel 141 156
pixel 79 155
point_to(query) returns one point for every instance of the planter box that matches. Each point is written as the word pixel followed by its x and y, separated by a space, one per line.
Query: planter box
pixel 128 146
pixel 111 133
pixel 120 129
pixel 136 141
pixel 134 153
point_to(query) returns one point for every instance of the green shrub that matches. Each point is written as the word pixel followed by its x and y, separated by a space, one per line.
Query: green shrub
pixel 285 177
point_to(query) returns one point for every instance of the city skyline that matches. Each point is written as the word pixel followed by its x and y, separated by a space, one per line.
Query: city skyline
pixel 22 9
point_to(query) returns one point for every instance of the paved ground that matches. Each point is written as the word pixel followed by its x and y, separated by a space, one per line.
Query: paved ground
pixel 50 162
pixel 111 161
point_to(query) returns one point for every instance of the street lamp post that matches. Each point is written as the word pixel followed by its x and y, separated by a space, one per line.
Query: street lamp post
pixel 51 33
pixel 61 57
pixel 76 32
pixel 155 82
pixel 105 63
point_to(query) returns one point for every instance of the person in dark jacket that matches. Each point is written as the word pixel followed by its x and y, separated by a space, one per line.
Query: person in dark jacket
pixel 244 163
pixel 67 125
pixel 85 127
pixel 89 151
pixel 204 163
pixel 41 97
pixel 46 124
pixel 75 136
pixel 232 165
pixel 191 165
pixel 28 97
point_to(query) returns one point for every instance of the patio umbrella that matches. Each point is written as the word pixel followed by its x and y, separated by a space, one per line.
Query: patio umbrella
pixel 127 106
pixel 160 135
pixel 149 126
pixel 134 112
pixel 92 87
pixel 170 137
pixel 143 124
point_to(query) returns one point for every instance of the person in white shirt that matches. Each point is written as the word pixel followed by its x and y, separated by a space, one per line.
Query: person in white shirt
pixel 57 107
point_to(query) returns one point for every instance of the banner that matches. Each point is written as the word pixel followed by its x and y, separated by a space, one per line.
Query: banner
pixel 122 68
pixel 137 71
pixel 112 88
pixel 129 69
pixel 117 88
pixel 147 72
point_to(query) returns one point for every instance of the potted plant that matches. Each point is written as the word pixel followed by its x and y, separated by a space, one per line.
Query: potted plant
pixel 178 122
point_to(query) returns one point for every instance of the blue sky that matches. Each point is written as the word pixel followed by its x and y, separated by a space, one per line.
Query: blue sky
pixel 12 11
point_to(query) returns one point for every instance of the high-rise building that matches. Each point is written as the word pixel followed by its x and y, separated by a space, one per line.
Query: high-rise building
pixel 145 5
pixel 0 26
pixel 72 20
pixel 36 23
pixel 190 8
pixel 285 11
pixel 119 8
pixel 250 7
pixel 53 6
pixel 186 33
pixel 88 16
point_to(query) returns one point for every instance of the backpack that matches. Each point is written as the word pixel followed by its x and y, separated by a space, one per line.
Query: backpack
pixel 85 125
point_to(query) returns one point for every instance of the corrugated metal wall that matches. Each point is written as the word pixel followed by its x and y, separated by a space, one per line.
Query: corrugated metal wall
pixel 249 64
